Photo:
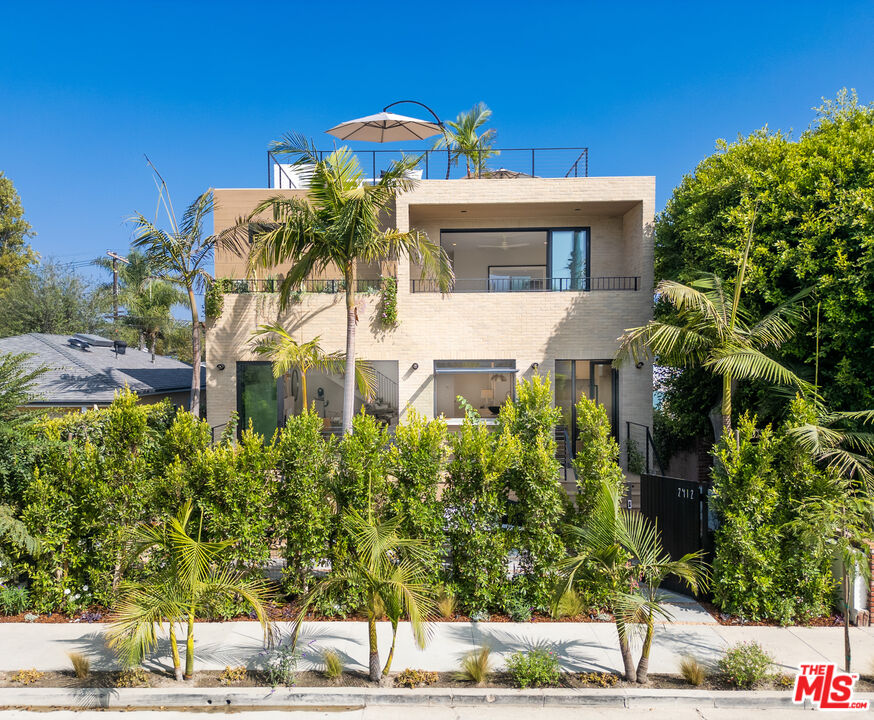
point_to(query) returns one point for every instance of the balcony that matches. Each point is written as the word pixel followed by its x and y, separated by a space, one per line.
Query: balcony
pixel 329 286
pixel 501 164
pixel 528 284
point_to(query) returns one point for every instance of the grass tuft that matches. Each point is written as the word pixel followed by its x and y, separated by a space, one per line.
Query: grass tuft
pixel 446 606
pixel 476 666
pixel 81 665
pixel 333 665
pixel 693 672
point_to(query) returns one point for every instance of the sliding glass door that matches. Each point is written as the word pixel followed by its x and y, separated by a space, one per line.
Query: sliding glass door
pixel 258 397
pixel 594 379
pixel 569 258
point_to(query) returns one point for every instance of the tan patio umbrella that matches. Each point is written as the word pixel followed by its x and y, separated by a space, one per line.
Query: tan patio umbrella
pixel 388 127
pixel 385 127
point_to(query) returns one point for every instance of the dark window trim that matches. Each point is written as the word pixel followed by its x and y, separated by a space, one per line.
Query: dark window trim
pixel 453 371
pixel 614 414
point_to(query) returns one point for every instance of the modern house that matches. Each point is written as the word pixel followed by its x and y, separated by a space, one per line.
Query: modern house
pixel 551 268
pixel 87 370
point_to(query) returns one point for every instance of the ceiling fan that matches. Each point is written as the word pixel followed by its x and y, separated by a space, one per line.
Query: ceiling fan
pixel 504 245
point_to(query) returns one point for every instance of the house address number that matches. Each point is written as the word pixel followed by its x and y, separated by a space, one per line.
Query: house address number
pixel 686 493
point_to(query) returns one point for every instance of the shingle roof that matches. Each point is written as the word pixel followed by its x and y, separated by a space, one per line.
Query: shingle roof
pixel 93 375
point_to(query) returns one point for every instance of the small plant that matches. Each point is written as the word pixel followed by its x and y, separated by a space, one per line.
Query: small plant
pixel 692 671
pixel 535 668
pixel 232 675
pixel 570 604
pixel 636 461
pixel 446 605
pixel 599 679
pixel 13 600
pixel 132 677
pixel 476 666
pixel 30 617
pixel 27 677
pixel 784 681
pixel 745 664
pixel 333 665
pixel 518 610
pixel 281 665
pixel 480 616
pixel 415 678
pixel 81 665
pixel 389 315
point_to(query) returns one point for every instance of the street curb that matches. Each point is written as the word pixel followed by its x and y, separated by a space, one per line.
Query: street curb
pixel 336 698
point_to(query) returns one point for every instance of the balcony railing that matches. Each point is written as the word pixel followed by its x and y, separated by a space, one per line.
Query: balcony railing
pixel 498 285
pixel 317 285
pixel 498 164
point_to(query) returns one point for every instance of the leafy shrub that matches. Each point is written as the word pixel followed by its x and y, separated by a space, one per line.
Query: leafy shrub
pixel 232 675
pixel 333 664
pixel 745 664
pixel 415 678
pixel 532 476
pixel 14 600
pixel 214 300
pixel 518 610
pixel 280 665
pixel 81 665
pixel 475 505
pixel 535 668
pixel 416 460
pixel 599 679
pixel 476 666
pixel 135 677
pixel 27 677
pixel 762 568
pixel 480 616
pixel 389 302
pixel 692 671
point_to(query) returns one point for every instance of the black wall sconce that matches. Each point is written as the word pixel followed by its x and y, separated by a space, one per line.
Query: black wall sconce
pixel 220 366
pixel 639 364
pixel 534 366
pixel 415 366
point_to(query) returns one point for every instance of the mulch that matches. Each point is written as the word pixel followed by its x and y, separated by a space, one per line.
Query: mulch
pixel 724 618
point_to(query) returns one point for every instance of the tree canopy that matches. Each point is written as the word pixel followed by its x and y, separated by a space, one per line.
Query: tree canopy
pixel 813 202
pixel 15 252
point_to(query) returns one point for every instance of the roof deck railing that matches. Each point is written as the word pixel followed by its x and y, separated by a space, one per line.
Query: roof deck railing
pixel 497 164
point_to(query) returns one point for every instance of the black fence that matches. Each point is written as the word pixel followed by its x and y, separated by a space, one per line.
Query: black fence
pixel 318 285
pixel 496 163
pixel 511 284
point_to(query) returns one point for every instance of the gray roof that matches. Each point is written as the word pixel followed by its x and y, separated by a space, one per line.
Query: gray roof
pixel 78 376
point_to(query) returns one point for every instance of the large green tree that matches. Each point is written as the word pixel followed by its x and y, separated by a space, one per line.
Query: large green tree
pixel 812 200
pixel 15 252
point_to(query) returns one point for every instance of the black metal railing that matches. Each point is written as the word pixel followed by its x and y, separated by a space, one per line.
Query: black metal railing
pixel 317 285
pixel 497 164
pixel 386 391
pixel 494 285
pixel 640 459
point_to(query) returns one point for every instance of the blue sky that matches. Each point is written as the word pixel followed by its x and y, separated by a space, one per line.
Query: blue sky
pixel 202 87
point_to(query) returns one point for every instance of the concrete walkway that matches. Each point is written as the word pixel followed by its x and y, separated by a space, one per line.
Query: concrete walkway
pixel 579 646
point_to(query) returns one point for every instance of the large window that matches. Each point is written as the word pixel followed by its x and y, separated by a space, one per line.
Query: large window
pixel 569 258
pixel 485 384
pixel 596 379
pixel 257 397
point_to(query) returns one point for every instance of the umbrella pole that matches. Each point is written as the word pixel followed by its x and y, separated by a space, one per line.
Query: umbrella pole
pixel 439 122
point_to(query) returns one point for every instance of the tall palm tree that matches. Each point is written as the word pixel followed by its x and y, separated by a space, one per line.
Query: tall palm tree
pixel 287 354
pixel 147 299
pixel 625 548
pixel 714 331
pixel 393 571
pixel 463 140
pixel 180 256
pixel 339 224
pixel 192 582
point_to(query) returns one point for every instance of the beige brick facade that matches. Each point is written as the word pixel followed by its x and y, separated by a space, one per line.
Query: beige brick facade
pixel 530 327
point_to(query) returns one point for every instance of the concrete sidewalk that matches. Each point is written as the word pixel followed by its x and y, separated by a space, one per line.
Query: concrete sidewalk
pixel 579 646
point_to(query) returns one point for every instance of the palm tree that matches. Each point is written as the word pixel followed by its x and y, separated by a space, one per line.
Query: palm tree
pixel 339 224
pixel 625 549
pixel 287 354
pixel 462 139
pixel 715 332
pixel 147 299
pixel 393 571
pixel 180 256
pixel 192 582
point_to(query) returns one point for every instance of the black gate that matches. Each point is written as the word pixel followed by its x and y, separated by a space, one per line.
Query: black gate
pixel 679 510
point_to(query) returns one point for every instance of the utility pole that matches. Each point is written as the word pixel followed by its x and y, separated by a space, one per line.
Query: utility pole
pixel 116 258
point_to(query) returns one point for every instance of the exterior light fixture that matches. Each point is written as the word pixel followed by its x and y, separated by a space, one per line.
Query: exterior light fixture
pixel 415 366
pixel 220 366
pixel 639 364
pixel 534 366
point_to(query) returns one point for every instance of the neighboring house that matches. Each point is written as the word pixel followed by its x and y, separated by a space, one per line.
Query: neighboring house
pixel 87 370
pixel 550 272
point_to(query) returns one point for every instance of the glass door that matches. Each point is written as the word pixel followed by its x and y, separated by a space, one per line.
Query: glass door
pixel 569 258
pixel 594 379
